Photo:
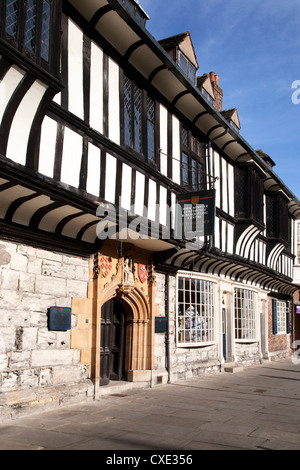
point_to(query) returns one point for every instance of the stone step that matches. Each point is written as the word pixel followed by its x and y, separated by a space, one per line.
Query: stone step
pixel 233 367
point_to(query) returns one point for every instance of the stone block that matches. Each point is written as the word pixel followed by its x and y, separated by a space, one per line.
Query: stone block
pixel 7 338
pixel 44 254
pixel 27 282
pixel 10 279
pixel 81 338
pixel 37 302
pixel 45 378
pixel 50 286
pixel 42 358
pixel 19 262
pixel 29 379
pixel 19 359
pixel 56 269
pixel 10 300
pixel 76 288
pixel 46 339
pixel 139 375
pixel 3 362
pixel 35 266
pixel 26 250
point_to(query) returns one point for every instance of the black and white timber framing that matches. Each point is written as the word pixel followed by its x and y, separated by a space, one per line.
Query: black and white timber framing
pixel 63 151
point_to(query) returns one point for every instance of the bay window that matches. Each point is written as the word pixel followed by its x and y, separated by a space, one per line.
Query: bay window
pixel 245 309
pixel 196 301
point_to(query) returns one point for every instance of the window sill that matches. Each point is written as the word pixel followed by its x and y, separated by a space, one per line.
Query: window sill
pixel 195 345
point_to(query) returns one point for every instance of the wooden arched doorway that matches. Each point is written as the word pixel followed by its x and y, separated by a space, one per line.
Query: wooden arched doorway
pixel 113 342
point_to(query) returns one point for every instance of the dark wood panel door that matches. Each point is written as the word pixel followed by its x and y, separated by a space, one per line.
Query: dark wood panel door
pixel 112 346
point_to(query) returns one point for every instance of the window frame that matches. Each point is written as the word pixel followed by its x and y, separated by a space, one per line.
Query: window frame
pixel 147 128
pixel 45 29
pixel 187 68
pixel 248 334
pixel 281 317
pixel 208 308
pixel 190 158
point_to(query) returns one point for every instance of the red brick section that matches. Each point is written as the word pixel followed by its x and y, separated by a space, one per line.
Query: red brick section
pixel 297 316
pixel 278 342
pixel 218 92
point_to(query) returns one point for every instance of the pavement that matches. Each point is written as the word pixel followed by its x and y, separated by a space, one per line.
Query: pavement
pixel 257 408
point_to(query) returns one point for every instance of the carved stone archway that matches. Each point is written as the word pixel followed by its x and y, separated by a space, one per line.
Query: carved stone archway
pixel 118 279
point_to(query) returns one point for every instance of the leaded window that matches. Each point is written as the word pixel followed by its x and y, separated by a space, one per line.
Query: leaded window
pixel 150 128
pixel 11 20
pixel 245 308
pixel 30 25
pixel 196 303
pixel 26 25
pixel 139 119
pixel 192 162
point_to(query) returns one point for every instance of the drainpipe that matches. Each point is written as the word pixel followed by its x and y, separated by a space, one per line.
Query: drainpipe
pixel 167 339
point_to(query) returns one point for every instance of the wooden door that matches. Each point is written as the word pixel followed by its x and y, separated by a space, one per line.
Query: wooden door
pixel 112 347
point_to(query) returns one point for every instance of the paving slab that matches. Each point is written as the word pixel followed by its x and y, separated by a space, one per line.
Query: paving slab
pixel 253 409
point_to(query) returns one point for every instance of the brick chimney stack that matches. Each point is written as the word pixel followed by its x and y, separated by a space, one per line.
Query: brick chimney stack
pixel 217 91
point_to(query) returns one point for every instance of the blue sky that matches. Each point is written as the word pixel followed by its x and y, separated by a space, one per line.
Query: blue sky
pixel 254 46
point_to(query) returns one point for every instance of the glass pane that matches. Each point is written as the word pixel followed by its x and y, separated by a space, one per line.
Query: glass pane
pixel 127 111
pixel 150 128
pixel 184 169
pixel 183 63
pixel 137 119
pixel 191 73
pixel 45 30
pixel 11 17
pixel 30 28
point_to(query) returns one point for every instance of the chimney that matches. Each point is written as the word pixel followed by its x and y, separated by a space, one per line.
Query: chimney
pixel 217 91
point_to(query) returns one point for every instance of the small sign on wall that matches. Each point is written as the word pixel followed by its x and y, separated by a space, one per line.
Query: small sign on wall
pixel 59 318
pixel 161 324
pixel 298 309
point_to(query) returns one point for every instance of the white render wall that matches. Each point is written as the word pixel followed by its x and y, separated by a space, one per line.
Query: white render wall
pixel 35 363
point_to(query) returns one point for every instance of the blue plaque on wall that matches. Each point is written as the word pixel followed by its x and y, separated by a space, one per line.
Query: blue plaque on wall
pixel 59 319
pixel 161 324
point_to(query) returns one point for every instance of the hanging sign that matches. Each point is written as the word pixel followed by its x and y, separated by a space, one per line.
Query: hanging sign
pixel 195 214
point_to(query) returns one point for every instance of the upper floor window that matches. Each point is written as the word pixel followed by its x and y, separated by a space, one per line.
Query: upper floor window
pixel 27 27
pixel 249 194
pixel 278 221
pixel 187 67
pixel 139 119
pixel 192 162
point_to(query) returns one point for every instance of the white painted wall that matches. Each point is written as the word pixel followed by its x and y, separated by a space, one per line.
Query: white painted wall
pixel 22 122
pixel 113 102
pixel 176 150
pixel 93 170
pixel 96 88
pixel 71 158
pixel 110 178
pixel 75 68
pixel 47 147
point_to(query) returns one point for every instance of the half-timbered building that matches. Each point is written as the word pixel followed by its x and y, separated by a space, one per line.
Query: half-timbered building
pixel 102 128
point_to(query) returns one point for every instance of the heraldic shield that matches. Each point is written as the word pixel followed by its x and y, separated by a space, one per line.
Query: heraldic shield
pixel 143 272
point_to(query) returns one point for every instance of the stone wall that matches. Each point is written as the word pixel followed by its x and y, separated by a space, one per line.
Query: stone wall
pixel 38 366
